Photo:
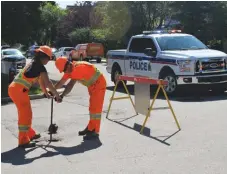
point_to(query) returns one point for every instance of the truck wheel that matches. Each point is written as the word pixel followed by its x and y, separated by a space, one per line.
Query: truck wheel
pixel 116 71
pixel 98 60
pixel 172 87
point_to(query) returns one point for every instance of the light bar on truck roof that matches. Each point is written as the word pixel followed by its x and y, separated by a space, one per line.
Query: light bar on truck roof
pixel 175 31
pixel 161 31
pixel 153 32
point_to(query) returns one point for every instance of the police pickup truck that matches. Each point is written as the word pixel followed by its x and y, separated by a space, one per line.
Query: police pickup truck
pixel 179 58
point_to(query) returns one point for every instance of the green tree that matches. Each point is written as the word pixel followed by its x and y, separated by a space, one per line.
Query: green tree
pixel 124 19
pixel 51 16
pixel 20 21
pixel 206 20
pixel 80 35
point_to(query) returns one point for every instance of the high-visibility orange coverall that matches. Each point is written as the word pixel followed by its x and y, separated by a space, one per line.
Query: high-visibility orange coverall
pixel 88 75
pixel 18 92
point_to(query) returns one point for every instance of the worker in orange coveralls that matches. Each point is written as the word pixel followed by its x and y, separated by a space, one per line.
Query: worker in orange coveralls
pixel 88 75
pixel 18 91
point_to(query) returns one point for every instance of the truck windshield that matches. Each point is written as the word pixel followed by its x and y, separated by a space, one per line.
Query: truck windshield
pixel 180 43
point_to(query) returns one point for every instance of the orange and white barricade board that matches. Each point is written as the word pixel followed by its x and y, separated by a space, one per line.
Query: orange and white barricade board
pixel 142 96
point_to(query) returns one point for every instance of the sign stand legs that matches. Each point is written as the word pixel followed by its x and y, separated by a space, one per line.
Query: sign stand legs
pixel 119 98
pixel 160 86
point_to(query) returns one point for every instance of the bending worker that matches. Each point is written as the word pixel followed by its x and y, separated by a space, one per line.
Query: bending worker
pixel 90 76
pixel 18 92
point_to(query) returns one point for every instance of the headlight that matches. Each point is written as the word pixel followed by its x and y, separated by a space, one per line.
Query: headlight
pixel 184 65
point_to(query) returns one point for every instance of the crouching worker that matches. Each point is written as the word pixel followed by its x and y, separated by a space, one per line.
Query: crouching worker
pixel 18 92
pixel 88 75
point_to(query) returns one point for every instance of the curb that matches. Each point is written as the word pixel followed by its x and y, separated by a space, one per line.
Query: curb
pixel 32 97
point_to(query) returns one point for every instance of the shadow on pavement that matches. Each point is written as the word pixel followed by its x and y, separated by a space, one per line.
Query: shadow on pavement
pixel 184 95
pixel 81 148
pixel 146 131
pixel 17 156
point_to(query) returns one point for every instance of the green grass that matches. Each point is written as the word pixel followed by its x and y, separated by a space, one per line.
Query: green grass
pixel 35 90
pixel 4 85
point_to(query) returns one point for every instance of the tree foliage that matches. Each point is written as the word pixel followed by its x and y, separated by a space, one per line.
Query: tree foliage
pixel 51 16
pixel 20 21
pixel 110 22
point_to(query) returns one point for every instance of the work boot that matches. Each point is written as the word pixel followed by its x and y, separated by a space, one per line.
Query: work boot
pixel 37 136
pixel 83 132
pixel 91 135
pixel 27 145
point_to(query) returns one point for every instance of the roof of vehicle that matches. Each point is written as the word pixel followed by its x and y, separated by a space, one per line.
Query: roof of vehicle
pixel 67 47
pixel 83 44
pixel 11 49
pixel 160 35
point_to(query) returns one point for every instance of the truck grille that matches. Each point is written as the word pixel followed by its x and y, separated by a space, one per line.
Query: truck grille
pixel 210 65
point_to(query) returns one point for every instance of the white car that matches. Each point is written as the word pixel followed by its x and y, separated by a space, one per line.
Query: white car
pixel 63 51
pixel 179 58
pixel 12 57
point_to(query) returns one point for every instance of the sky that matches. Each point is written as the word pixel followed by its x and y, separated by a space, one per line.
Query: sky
pixel 63 3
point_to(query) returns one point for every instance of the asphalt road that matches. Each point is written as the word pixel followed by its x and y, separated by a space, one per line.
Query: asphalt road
pixel 200 147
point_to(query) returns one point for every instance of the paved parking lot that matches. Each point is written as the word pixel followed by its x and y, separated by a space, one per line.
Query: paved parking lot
pixel 199 148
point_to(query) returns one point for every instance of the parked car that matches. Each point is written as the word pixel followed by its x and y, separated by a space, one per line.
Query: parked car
pixel 31 51
pixel 63 51
pixel 87 52
pixel 14 55
pixel 12 60
pixel 181 59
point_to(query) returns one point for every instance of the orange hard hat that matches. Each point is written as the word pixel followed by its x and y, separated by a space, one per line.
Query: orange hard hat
pixel 60 63
pixel 46 50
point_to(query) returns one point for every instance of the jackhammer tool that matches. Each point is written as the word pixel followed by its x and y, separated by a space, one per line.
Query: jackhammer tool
pixel 53 127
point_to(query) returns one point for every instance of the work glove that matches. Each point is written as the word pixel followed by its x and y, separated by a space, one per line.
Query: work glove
pixel 58 99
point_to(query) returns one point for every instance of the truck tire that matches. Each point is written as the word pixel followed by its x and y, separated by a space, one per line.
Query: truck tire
pixel 115 72
pixel 172 86
pixel 99 60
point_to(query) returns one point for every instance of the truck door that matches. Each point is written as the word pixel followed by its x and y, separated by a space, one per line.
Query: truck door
pixel 137 62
